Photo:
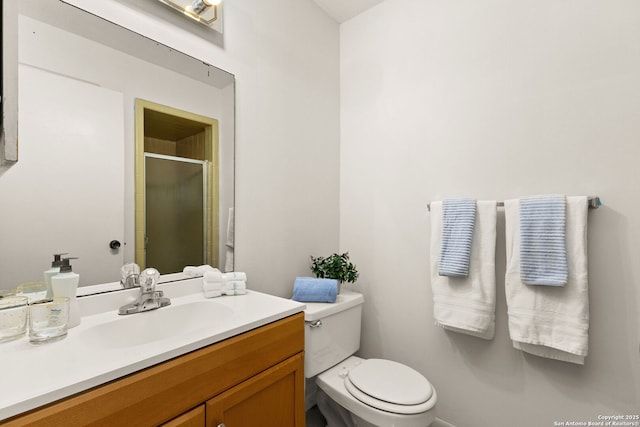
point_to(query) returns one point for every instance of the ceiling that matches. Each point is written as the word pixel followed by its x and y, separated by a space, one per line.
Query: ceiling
pixel 343 10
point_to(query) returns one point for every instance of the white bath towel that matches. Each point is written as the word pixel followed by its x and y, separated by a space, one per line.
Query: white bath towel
pixel 467 304
pixel 228 265
pixel 230 228
pixel 550 321
pixel 213 288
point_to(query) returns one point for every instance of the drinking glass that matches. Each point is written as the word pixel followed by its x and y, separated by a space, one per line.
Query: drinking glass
pixel 48 320
pixel 13 317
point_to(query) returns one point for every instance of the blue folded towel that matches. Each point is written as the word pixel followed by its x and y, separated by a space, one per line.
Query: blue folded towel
pixel 310 289
pixel 543 251
pixel 458 222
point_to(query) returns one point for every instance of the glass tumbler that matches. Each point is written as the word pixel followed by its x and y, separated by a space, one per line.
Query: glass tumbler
pixel 35 291
pixel 13 317
pixel 48 320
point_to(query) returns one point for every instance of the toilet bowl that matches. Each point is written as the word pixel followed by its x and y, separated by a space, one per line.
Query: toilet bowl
pixel 356 392
pixel 385 393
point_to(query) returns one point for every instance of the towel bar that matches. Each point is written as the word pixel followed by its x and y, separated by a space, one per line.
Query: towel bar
pixel 594 203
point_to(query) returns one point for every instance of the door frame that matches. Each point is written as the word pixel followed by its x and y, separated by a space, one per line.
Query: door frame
pixel 212 158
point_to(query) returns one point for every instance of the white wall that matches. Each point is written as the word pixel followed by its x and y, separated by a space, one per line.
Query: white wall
pixel 284 54
pixel 494 99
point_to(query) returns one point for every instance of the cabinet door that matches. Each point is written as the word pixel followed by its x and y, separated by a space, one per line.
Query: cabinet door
pixel 193 418
pixel 273 398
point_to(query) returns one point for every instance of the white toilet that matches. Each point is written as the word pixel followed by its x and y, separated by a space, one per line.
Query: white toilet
pixel 355 392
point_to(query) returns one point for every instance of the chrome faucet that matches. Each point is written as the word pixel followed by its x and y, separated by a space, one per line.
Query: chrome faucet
pixel 129 275
pixel 149 298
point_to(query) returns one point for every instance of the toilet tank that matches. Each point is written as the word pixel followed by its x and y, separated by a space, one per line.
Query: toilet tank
pixel 332 332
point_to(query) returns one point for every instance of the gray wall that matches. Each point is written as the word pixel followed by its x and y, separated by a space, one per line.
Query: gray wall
pixel 494 99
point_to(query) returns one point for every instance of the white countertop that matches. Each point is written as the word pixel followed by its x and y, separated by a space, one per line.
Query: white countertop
pixel 34 375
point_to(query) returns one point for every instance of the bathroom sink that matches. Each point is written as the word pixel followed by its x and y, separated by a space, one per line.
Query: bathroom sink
pixel 156 325
pixel 106 346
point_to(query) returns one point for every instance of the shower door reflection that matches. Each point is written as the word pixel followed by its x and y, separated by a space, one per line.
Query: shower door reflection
pixel 175 215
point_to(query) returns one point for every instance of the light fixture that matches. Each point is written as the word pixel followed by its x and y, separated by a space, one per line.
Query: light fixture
pixel 207 12
pixel 199 6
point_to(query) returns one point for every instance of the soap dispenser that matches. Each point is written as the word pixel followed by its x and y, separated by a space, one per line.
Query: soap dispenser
pixel 48 274
pixel 65 284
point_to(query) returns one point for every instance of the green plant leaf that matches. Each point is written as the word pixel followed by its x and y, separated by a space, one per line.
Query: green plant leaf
pixel 335 266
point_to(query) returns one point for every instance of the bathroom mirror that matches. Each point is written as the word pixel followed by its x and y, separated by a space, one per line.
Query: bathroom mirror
pixel 73 189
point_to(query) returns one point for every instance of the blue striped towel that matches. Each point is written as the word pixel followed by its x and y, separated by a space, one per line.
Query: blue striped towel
pixel 458 222
pixel 543 251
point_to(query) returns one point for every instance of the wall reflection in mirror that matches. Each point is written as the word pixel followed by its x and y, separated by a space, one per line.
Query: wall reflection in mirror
pixel 80 184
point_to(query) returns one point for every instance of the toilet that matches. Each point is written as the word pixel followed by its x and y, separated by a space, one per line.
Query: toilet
pixel 355 392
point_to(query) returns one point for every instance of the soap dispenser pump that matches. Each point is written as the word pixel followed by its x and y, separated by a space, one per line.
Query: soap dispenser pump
pixel 48 274
pixel 65 284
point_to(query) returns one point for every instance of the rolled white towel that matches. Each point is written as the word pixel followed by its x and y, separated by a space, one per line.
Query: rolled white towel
pixel 198 271
pixel 213 286
pixel 235 288
pixel 213 276
pixel 192 271
pixel 235 276
pixel 212 294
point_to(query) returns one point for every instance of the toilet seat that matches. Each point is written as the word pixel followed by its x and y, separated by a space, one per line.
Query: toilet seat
pixel 389 386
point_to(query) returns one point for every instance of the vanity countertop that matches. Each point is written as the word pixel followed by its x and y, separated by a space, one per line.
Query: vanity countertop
pixel 34 375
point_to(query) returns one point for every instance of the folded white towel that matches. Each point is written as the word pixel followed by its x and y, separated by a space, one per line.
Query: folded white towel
pixel 234 276
pixel 467 304
pixel 237 292
pixel 198 271
pixel 212 294
pixel 213 286
pixel 235 288
pixel 235 284
pixel 550 321
pixel 192 271
pixel 213 276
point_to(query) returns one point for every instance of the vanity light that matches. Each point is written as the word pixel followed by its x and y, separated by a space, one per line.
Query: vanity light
pixel 204 11
pixel 199 6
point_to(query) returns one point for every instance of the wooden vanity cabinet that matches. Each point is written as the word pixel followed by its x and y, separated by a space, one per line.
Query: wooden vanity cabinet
pixel 253 379
pixel 266 400
pixel 193 418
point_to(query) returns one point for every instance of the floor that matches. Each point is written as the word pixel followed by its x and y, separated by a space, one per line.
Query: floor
pixel 315 418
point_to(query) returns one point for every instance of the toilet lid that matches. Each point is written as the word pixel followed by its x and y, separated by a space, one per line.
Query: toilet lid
pixel 390 386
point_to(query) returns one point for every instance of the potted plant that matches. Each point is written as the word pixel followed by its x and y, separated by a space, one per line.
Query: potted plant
pixel 335 266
